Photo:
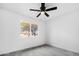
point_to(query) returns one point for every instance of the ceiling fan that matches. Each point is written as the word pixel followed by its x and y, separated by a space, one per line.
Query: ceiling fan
pixel 43 10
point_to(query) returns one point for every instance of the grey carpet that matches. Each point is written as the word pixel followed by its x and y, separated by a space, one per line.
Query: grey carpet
pixel 44 50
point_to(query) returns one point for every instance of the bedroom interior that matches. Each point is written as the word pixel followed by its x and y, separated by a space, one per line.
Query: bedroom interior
pixel 27 32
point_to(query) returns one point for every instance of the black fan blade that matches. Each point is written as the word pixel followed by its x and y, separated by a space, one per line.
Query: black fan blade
pixel 34 10
pixel 46 14
pixel 38 15
pixel 54 8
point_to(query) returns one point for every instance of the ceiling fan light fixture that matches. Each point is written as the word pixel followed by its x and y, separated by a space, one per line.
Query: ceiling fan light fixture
pixel 42 12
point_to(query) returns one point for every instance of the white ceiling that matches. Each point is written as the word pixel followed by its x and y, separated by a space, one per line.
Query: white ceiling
pixel 23 9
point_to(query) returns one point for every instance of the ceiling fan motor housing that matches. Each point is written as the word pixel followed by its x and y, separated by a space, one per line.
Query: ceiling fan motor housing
pixel 42 7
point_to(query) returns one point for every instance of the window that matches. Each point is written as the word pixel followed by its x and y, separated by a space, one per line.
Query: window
pixel 28 29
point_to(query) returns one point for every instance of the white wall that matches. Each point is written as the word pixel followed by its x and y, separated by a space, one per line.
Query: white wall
pixel 9 32
pixel 63 31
